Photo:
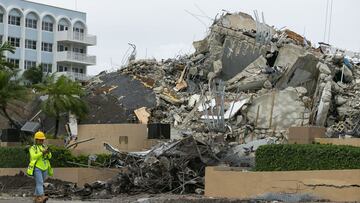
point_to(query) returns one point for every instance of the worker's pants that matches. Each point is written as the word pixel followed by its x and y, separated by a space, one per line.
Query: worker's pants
pixel 39 176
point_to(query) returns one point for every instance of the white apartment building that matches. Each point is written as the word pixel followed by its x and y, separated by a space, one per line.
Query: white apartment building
pixel 54 37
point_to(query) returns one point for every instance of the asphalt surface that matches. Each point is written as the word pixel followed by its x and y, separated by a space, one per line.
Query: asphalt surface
pixel 29 200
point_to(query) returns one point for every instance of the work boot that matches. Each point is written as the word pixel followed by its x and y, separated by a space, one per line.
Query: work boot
pixel 38 199
pixel 45 198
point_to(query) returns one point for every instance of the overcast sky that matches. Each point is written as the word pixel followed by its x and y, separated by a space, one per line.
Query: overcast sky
pixel 164 28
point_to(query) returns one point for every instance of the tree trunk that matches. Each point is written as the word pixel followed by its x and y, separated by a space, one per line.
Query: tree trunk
pixel 12 122
pixel 57 121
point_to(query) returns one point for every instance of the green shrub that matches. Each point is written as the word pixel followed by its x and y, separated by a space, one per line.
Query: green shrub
pixel 18 157
pixel 13 157
pixel 306 157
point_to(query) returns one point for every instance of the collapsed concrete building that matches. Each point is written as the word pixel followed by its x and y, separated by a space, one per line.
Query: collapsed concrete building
pixel 285 81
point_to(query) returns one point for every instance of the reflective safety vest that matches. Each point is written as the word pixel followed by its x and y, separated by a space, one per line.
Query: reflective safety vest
pixel 39 160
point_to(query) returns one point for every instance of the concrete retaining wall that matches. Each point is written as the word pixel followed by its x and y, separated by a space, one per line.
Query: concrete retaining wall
pixel 333 185
pixel 335 141
pixel 74 175
pixel 125 137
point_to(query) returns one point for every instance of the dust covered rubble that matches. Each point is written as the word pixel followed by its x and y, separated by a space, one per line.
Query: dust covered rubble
pixel 244 86
pixel 285 81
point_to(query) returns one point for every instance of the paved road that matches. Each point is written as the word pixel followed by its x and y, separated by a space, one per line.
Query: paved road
pixel 29 200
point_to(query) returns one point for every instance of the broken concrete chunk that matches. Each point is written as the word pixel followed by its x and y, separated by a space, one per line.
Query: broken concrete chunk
pixel 239 21
pixel 324 105
pixel 347 74
pixel 201 46
pixel 301 90
pixel 288 55
pixel 340 100
pixel 237 55
pixel 253 68
pixel 267 84
pixel 193 100
pixel 302 73
pixel 323 68
pixel 198 57
pixel 273 110
pixel 217 65
pixel 193 71
pixel 177 118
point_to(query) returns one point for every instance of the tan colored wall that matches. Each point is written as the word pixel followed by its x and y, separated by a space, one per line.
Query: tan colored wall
pixel 305 134
pixel 55 142
pixel 74 175
pixel 10 144
pixel 126 137
pixel 335 185
pixel 348 141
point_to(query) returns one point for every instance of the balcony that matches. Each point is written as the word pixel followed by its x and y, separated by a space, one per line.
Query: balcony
pixel 81 38
pixel 74 57
pixel 74 76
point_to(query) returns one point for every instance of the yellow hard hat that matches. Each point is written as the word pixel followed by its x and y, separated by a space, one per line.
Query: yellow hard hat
pixel 39 136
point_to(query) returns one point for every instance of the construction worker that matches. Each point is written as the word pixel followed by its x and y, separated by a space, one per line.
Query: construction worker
pixel 39 166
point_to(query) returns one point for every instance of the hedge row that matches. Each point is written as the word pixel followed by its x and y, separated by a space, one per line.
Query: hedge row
pixel 306 157
pixel 18 157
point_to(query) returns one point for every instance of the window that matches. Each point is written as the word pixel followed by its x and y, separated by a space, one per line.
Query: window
pixel 29 64
pixel 62 47
pixel 15 62
pixel 14 41
pixel 14 20
pixel 46 46
pixel 1 18
pixel 78 50
pixel 80 30
pixel 47 26
pixel 81 70
pixel 30 44
pixel 46 67
pixel 62 68
pixel 62 27
pixel 31 23
pixel 1 39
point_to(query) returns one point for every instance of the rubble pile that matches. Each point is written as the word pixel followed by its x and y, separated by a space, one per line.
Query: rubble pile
pixel 245 81
pixel 176 166
pixel 245 86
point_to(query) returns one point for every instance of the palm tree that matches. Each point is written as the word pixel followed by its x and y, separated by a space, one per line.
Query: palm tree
pixel 10 90
pixel 34 75
pixel 63 97
pixel 4 64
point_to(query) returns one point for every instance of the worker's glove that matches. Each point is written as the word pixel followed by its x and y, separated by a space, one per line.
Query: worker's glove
pixel 45 151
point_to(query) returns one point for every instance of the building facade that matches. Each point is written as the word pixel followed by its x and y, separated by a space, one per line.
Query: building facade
pixel 54 37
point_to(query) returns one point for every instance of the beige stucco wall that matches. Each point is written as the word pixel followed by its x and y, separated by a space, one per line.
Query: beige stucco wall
pixel 348 141
pixel 126 137
pixel 334 185
pixel 74 175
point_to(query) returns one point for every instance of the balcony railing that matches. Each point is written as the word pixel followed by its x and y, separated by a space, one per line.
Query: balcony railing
pixel 69 56
pixel 74 76
pixel 76 37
